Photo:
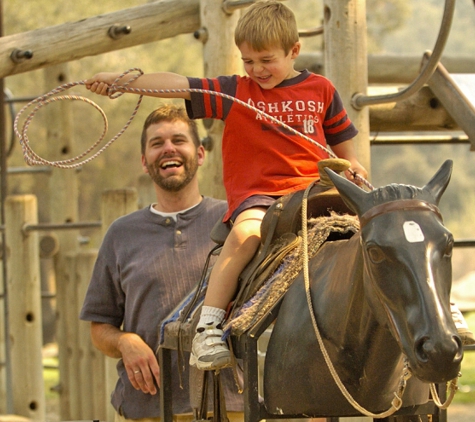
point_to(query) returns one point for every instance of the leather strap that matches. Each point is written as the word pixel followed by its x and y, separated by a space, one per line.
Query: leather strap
pixel 404 205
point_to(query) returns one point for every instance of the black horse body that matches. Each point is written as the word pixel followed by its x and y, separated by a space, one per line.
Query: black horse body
pixel 378 297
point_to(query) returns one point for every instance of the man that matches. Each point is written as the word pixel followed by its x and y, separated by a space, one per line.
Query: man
pixel 148 262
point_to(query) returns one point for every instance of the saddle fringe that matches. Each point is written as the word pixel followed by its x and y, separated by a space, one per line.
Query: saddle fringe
pixel 274 288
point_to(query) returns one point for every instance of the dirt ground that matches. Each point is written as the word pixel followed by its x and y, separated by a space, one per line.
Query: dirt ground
pixel 461 413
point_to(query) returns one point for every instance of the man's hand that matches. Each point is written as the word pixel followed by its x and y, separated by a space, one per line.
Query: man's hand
pixel 139 360
pixel 140 363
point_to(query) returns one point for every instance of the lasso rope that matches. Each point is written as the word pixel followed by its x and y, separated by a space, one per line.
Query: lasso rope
pixel 115 91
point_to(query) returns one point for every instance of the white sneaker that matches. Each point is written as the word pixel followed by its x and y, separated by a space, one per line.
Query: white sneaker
pixel 461 325
pixel 208 350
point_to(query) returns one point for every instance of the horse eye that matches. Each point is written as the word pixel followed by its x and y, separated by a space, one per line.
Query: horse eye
pixel 375 254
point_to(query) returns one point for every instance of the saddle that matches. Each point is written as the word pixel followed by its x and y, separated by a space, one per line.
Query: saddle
pixel 280 233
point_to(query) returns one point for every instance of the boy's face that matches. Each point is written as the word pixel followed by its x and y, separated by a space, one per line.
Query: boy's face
pixel 271 66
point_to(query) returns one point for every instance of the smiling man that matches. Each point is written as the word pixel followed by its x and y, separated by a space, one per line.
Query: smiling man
pixel 148 262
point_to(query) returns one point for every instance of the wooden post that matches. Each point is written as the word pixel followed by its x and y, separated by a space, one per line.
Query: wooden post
pixel 63 187
pixel 221 57
pixel 346 66
pixel 115 203
pixel 24 303
pixel 346 62
pixel 3 344
pixel 69 347
pixel 92 383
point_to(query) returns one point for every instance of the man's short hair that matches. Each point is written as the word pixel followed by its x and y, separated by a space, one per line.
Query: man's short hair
pixel 169 113
pixel 267 24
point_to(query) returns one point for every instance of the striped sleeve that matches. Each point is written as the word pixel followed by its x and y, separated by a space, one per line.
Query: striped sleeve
pixel 337 125
pixel 208 105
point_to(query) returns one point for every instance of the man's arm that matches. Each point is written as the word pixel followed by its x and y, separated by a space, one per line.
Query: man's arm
pixel 139 360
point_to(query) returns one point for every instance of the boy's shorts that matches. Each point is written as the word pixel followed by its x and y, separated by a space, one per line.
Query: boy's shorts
pixel 255 201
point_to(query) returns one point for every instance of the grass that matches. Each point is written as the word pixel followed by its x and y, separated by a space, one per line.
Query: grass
pixel 50 376
pixel 466 392
pixel 51 382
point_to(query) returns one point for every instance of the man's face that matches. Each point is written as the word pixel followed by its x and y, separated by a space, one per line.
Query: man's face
pixel 171 158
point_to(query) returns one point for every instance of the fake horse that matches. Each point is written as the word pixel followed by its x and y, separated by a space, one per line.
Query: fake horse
pixel 380 300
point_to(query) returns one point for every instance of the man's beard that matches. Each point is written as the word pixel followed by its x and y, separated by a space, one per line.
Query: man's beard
pixel 174 183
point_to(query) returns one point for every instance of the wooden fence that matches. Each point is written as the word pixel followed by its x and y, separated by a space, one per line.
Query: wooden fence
pixel 86 375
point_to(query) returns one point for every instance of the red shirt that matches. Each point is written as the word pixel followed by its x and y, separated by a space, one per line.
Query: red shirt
pixel 261 157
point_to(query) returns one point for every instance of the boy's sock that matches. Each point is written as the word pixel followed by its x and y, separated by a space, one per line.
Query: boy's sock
pixel 211 315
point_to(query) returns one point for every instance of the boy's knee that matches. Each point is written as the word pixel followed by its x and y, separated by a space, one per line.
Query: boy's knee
pixel 247 229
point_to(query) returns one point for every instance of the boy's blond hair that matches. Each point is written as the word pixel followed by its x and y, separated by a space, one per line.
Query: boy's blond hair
pixel 267 24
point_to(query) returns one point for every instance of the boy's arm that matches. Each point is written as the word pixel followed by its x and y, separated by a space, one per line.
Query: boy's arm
pixel 347 151
pixel 101 82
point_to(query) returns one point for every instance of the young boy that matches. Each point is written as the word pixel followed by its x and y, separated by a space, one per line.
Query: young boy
pixel 261 160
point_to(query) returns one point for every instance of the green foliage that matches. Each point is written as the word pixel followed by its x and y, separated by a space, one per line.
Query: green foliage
pixel 383 18
pixel 416 164
pixel 420 29
pixel 466 393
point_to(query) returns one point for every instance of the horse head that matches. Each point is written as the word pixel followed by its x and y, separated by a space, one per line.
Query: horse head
pixel 407 269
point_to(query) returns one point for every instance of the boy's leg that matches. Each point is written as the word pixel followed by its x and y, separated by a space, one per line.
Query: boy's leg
pixel 209 351
pixel 462 327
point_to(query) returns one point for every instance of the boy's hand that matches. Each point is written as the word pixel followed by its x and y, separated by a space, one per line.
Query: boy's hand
pixel 101 83
pixel 356 169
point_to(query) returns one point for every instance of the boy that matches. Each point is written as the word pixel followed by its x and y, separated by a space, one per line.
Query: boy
pixel 264 161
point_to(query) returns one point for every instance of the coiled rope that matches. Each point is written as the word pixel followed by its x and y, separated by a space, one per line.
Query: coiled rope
pixel 115 91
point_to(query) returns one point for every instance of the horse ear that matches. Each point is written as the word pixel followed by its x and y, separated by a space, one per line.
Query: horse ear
pixel 437 185
pixel 353 196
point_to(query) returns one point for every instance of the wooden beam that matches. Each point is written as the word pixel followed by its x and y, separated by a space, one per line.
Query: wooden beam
pixel 389 69
pixel 455 92
pixel 421 112
pixel 88 37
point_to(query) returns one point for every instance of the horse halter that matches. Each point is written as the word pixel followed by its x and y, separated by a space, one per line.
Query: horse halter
pixel 405 204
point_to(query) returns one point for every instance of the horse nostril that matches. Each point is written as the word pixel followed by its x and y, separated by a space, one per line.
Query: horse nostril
pixel 422 348
pixel 453 350
pixel 459 347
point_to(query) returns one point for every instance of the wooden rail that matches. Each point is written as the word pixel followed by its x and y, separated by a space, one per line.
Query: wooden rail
pixel 44 47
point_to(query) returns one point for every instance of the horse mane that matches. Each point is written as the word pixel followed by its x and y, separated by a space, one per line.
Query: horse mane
pixel 394 192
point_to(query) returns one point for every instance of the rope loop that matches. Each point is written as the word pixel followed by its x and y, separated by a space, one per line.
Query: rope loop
pixel 452 387
pixel 32 158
